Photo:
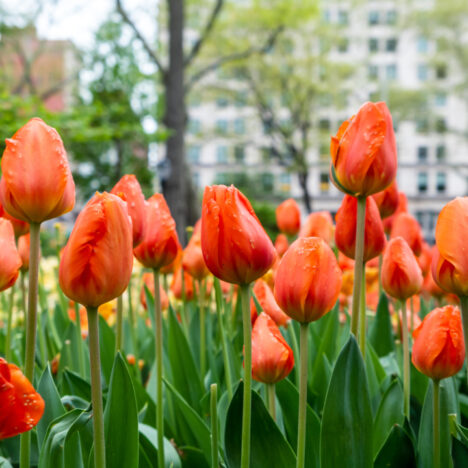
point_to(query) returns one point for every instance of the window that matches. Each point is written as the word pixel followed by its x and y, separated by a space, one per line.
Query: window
pixel 326 16
pixel 422 153
pixel 343 45
pixel 373 18
pixel 422 182
pixel 391 72
pixel 324 151
pixel 422 45
pixel 441 182
pixel 440 99
pixel 343 18
pixel 239 126
pixel 373 44
pixel 391 17
pixel 221 126
pixel 239 154
pixel 440 152
pixel 422 125
pixel 391 45
pixel 267 181
pixel 285 182
pixel 373 72
pixel 222 154
pixel 440 125
pixel 194 126
pixel 241 98
pixel 324 124
pixel 193 154
pixel 423 72
pixel 222 101
pixel 441 72
pixel 324 182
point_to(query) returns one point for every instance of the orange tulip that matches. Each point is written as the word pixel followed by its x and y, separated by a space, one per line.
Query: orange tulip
pixel 174 265
pixel 235 246
pixel 439 347
pixel 36 183
pixel 407 226
pixel 23 250
pixel 129 190
pixel 83 319
pixel 387 200
pixel 345 233
pixel 268 303
pixel 272 358
pixel 431 288
pixel 288 217
pixel 97 261
pixel 281 244
pixel 319 224
pixel 160 245
pixel 308 280
pixel 10 260
pixel 192 260
pixel 402 208
pixel 148 280
pixel 364 156
pixel 21 407
pixel 21 228
pixel 450 262
pixel 401 275
pixel 176 285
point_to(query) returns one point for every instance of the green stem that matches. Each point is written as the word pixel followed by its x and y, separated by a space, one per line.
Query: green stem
pixel 119 324
pixel 412 314
pixel 301 427
pixel 9 324
pixel 362 312
pixel 23 294
pixel 165 284
pixel 358 263
pixel 42 343
pixel 214 425
pixel 247 402
pixel 271 400
pixel 96 392
pixel 184 303
pixel 295 348
pixel 406 359
pixel 31 325
pixel 159 367
pixel 436 432
pixel 201 305
pixel 133 324
pixel 380 274
pixel 79 340
pixel 464 313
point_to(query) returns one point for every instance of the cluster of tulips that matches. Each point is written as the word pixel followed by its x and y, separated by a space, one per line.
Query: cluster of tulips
pixel 279 289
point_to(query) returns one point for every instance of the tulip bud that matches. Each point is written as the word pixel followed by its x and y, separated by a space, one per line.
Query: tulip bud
pixel 10 260
pixel 387 200
pixel 406 226
pixel 364 156
pixel 308 280
pixel 401 275
pixel 235 246
pixel 192 260
pixel 97 261
pixel 402 208
pixel 36 182
pixel 345 233
pixel 21 228
pixel 319 224
pixel 129 190
pixel 267 301
pixel 281 244
pixel 176 285
pixel 24 243
pixel 272 358
pixel 439 347
pixel 288 217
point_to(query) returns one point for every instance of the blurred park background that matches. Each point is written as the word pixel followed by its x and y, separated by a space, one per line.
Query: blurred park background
pixel 187 93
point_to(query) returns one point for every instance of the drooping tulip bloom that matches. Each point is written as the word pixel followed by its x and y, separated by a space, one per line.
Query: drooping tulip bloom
pixel 21 228
pixel 235 246
pixel 10 260
pixel 176 285
pixel 308 280
pixel 401 275
pixel 439 347
pixel 318 224
pixel 97 261
pixel 288 217
pixel 267 301
pixel 160 245
pixel 363 152
pixel 407 226
pixel 21 407
pixel 129 189
pixel 148 280
pixel 192 259
pixel 345 233
pixel 450 261
pixel 36 182
pixel 272 358
pixel 23 250
pixel 387 200
pixel 281 244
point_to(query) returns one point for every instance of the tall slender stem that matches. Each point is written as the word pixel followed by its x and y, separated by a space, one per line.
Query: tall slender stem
pixel 159 367
pixel 464 310
pixel 31 325
pixel 301 426
pixel 201 305
pixel 412 313
pixel 11 304
pixel 362 313
pixel 295 348
pixel 435 416
pixel 119 324
pixel 358 264
pixel 247 402
pixel 406 359
pixel 380 274
pixel 23 294
pixel 184 303
pixel 96 392
pixel 271 397
pixel 133 324
pixel 79 340
pixel 214 425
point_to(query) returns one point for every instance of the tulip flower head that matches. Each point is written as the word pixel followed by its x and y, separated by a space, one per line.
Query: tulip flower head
pixel 24 243
pixel 268 303
pixel 387 200
pixel 363 152
pixel 10 260
pixel 36 182
pixel 235 246
pixel 281 244
pixel 439 347
pixel 288 217
pixel 319 224
pixel 176 285
pixel 308 280
pixel 272 358
pixel 192 260
pixel 21 228
pixel 407 226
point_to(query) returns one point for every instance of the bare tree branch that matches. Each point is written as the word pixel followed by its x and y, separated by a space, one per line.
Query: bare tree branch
pixel 234 56
pixel 149 50
pixel 206 32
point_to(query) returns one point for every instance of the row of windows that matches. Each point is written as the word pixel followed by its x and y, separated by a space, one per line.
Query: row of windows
pixel 223 154
pixel 390 72
pixel 423 153
pixel 423 182
pixel 389 45
pixel 222 126
pixel 374 18
pixel 378 45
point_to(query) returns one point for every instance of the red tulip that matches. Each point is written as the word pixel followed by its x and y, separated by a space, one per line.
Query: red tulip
pixel 406 226
pixel 387 200
pixel 281 244
pixel 439 347
pixel 267 301
pixel 174 265
pixel 272 358
pixel 24 243
pixel 21 228
pixel 345 233
pixel 364 156
pixel 402 208
pixel 176 285
pixel 129 189
pixel 160 245
pixel 192 260
pixel 10 260
pixel 21 407
pixel 235 246
pixel 319 224
pixel 288 217
pixel 97 261
pixel 37 183
pixel 401 275
pixel 308 280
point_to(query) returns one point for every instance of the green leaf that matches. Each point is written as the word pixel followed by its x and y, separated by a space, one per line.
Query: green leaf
pixel 269 448
pixel 73 384
pixel 346 435
pixel 121 418
pixel 381 334
pixel 149 442
pixel 397 451
pixel 459 454
pixel 106 348
pixel 4 463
